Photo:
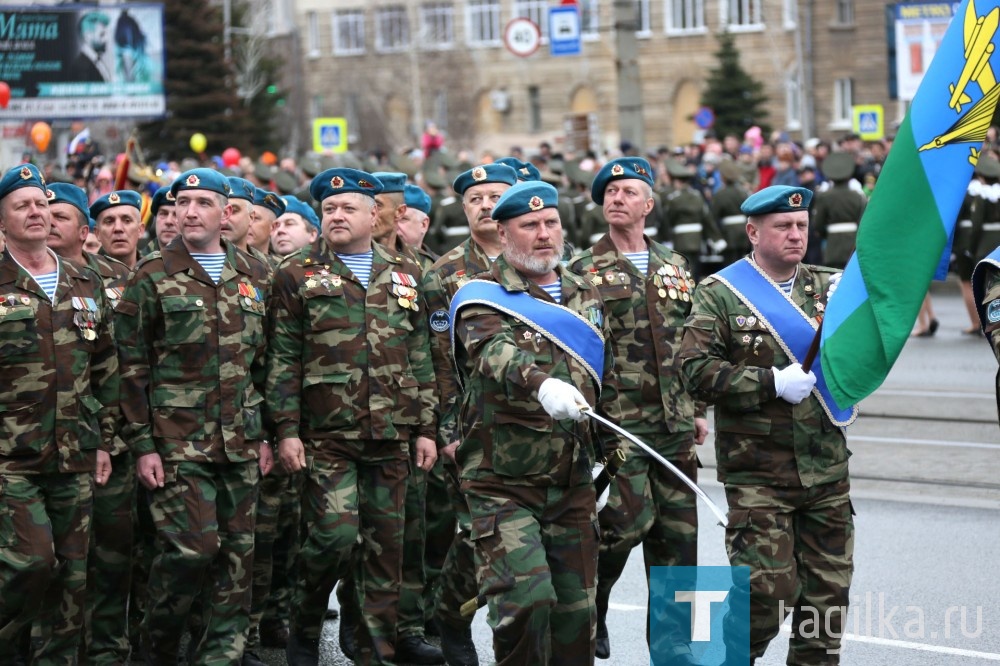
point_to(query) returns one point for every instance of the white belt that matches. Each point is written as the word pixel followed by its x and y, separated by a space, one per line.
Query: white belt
pixel 992 226
pixel 965 224
pixel 734 219
pixel 842 228
pixel 687 229
pixel 456 231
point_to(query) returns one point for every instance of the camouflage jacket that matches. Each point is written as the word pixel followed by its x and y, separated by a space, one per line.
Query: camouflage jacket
pixel 345 362
pixel 440 283
pixel 646 317
pixel 113 274
pixel 59 370
pixel 192 357
pixel 508 437
pixel 726 360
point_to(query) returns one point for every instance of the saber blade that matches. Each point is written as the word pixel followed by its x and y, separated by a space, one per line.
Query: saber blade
pixel 663 461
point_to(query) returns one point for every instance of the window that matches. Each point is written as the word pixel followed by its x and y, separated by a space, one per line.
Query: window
pixel 534 109
pixel 845 12
pixel 312 35
pixel 843 99
pixel 316 106
pixel 353 117
pixel 742 14
pixel 793 100
pixel 536 11
pixel 483 19
pixel 392 29
pixel 441 109
pixel 685 16
pixel 790 14
pixel 642 7
pixel 349 32
pixel 589 24
pixel 437 30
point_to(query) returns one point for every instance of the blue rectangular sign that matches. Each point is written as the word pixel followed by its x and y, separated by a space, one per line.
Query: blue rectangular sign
pixel 564 30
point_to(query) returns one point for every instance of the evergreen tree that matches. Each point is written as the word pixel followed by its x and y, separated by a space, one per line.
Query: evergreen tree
pixel 737 99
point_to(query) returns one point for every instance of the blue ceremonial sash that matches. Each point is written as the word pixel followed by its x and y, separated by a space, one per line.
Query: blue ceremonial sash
pixel 566 329
pixel 979 286
pixel 791 327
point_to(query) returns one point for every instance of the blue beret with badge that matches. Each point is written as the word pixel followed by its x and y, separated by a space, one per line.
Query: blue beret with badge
pixel 524 170
pixel 113 199
pixel 486 173
pixel 342 180
pixel 301 208
pixel 417 198
pixel 69 194
pixel 241 188
pixel 201 179
pixel 617 169
pixel 523 198
pixel 269 200
pixel 777 199
pixel 23 175
pixel 162 197
pixel 392 181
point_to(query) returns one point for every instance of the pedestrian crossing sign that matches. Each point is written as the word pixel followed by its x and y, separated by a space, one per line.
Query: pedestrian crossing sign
pixel 869 121
pixel 330 135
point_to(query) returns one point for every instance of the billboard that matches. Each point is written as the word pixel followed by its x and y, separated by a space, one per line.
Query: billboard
pixel 83 61
pixel 920 26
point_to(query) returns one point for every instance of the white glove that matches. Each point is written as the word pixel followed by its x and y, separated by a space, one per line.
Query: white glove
pixel 792 384
pixel 719 246
pixel 561 400
pixel 832 287
pixel 602 501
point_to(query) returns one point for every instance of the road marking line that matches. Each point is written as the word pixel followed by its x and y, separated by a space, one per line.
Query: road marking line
pixel 922 442
pixel 625 607
pixel 935 394
pixel 909 645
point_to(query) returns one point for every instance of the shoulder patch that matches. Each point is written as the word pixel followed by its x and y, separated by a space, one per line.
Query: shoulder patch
pixel 993 311
pixel 440 321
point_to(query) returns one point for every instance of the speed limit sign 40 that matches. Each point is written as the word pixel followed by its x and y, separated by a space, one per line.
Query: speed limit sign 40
pixel 522 37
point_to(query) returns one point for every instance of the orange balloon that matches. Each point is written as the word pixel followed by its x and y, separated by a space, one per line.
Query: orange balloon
pixel 269 158
pixel 41 134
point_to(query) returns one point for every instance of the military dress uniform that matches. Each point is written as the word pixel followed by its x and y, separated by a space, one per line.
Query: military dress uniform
pixel 192 357
pixel 687 221
pixel 725 207
pixel 648 503
pixel 836 216
pixel 349 372
pixel 986 289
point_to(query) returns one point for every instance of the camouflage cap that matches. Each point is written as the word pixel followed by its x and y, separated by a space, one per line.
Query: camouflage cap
pixel 635 168
pixel 23 175
pixel 525 170
pixel 241 188
pixel 392 181
pixel 163 197
pixel 777 199
pixel 201 179
pixel 302 209
pixel 269 200
pixel 486 173
pixel 523 198
pixel 341 180
pixel 114 199
pixel 69 194
pixel 417 198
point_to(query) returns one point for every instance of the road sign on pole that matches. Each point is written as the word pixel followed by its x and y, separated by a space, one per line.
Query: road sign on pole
pixel 330 135
pixel 522 37
pixel 704 118
pixel 868 121
pixel 564 30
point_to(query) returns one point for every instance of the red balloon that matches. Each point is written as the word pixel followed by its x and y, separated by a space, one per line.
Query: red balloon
pixel 231 157
pixel 4 94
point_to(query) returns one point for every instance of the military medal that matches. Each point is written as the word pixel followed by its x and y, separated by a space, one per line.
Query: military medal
pixel 403 302
pixel 335 281
pixel 746 339
pixel 662 293
pixel 311 283
pixel 741 321
pixel 595 278
pixel 808 288
pixel 751 320
pixel 687 299
pixel 609 276
pixel 89 334
pixel 25 300
pixel 673 293
pixel 527 335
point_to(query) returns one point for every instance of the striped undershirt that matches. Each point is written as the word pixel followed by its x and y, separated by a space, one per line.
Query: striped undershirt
pixel 554 290
pixel 212 263
pixel 48 282
pixel 639 259
pixel 786 286
pixel 360 265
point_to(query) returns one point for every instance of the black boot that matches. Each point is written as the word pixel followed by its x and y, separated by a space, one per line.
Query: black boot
pixel 416 650
pixel 302 651
pixel 457 645
pixel 250 658
pixel 348 644
pixel 603 648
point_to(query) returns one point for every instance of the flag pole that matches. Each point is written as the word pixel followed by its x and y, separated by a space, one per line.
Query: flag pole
pixel 813 349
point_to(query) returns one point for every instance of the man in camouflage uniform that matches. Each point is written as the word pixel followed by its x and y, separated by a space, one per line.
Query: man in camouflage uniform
pixel 647 291
pixel 118 225
pixel 105 639
pixel 350 386
pixel 164 221
pixel 526 456
pixel 780 454
pixel 60 404
pixel 480 188
pixel 267 207
pixel 190 332
pixel 986 291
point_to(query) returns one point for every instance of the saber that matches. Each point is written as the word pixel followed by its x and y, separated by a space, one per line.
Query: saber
pixel 660 459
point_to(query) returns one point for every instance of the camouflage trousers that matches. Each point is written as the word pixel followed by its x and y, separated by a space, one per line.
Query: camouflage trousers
pixel 440 530
pixel 204 517
pixel 106 639
pixel 354 493
pixel 799 545
pixel 143 551
pixel 457 582
pixel 536 558
pixel 44 537
pixel 278 515
pixel 648 504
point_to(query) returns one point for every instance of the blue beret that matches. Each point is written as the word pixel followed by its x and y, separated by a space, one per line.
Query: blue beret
pixel 162 197
pixel 341 180
pixel 417 198
pixel 299 207
pixel 526 197
pixel 23 175
pixel 777 199
pixel 486 173
pixel 524 170
pixel 201 179
pixel 617 169
pixel 392 181
pixel 269 200
pixel 241 188
pixel 69 194
pixel 119 198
